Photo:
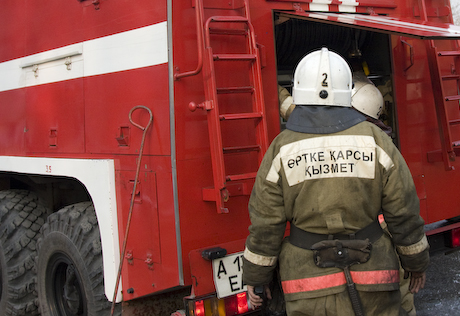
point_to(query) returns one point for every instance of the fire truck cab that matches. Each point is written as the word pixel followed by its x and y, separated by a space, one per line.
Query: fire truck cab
pixel 132 132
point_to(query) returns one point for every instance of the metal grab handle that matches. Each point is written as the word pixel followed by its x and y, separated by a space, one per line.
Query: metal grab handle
pixel 411 53
pixel 137 125
pixel 128 223
pixel 199 39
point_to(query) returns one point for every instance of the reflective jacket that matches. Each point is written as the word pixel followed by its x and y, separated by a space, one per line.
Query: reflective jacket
pixel 332 179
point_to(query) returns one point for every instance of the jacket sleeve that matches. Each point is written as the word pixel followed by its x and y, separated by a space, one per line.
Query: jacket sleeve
pixel 401 209
pixel 286 102
pixel 268 224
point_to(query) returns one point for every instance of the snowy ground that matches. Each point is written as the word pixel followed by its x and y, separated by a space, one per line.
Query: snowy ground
pixel 441 295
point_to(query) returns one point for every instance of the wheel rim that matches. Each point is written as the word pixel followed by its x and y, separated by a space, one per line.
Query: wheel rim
pixel 64 287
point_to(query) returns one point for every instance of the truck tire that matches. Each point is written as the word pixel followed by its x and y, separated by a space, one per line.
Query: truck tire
pixel 69 264
pixel 21 216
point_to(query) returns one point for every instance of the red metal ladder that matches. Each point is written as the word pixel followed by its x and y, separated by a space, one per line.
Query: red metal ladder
pixel 444 100
pixel 231 25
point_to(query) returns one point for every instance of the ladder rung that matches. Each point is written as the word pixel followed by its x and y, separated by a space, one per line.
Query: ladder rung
pixel 234 56
pixel 454 122
pixel 449 53
pixel 451 77
pixel 237 149
pixel 452 97
pixel 248 89
pixel 227 31
pixel 240 116
pixel 244 176
pixel 232 18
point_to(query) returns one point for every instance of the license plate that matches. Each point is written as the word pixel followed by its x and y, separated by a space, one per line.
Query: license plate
pixel 228 275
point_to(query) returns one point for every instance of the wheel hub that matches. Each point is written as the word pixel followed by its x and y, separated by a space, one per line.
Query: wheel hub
pixel 65 287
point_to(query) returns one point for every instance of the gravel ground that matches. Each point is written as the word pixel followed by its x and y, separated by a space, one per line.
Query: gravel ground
pixel 441 295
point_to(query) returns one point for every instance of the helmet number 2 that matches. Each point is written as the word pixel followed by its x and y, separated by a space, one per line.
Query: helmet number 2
pixel 324 83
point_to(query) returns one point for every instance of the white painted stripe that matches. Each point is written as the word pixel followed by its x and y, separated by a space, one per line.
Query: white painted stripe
pixel 348 6
pixel 10 75
pixel 129 50
pixel 98 176
pixel 321 7
pixel 259 259
pixel 133 49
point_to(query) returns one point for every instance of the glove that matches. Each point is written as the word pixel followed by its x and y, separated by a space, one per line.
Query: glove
pixel 417 280
pixel 256 300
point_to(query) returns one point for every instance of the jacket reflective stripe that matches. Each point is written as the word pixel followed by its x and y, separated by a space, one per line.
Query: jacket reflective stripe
pixel 260 260
pixel 413 249
pixel 328 157
pixel 337 279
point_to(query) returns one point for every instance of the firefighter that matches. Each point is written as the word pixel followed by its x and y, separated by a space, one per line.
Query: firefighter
pixel 329 174
pixel 367 99
pixel 285 102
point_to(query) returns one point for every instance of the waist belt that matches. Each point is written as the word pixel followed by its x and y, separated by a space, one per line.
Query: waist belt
pixel 305 240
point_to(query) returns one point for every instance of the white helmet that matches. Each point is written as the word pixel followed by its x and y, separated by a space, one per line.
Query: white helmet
pixel 366 98
pixel 322 78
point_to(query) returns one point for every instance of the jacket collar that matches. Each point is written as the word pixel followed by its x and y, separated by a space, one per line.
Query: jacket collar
pixel 323 119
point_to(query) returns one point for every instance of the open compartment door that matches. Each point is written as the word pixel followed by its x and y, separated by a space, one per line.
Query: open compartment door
pixel 379 23
pixel 446 98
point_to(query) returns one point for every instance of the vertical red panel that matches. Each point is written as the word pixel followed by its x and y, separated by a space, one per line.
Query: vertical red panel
pixel 13 122
pixel 108 101
pixel 13 29
pixel 55 118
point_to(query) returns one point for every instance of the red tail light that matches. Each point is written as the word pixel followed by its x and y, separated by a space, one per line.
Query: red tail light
pixel 455 237
pixel 199 308
pixel 242 300
pixel 228 306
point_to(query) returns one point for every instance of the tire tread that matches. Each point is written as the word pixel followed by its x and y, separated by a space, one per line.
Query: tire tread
pixel 21 216
pixel 79 223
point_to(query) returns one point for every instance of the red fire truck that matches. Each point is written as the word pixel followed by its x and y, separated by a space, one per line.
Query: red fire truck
pixel 132 132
